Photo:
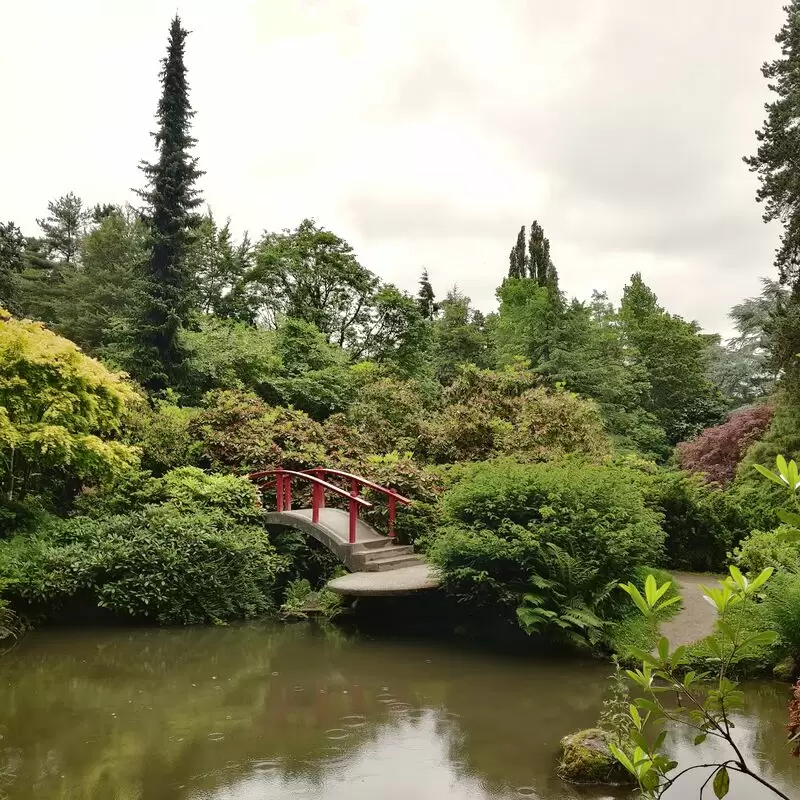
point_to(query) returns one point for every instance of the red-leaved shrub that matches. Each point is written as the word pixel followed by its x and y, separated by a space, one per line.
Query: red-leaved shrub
pixel 717 451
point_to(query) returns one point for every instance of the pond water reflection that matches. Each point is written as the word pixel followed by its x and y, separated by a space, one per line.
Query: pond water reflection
pixel 263 711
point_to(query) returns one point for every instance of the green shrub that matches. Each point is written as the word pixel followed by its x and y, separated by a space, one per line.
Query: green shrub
pixel 569 530
pixel 188 489
pixel 762 549
pixel 702 523
pixel 388 412
pixel 159 563
pixel 240 432
pixel 162 435
pixel 60 415
pixel 555 423
pixel 536 425
pixel 782 609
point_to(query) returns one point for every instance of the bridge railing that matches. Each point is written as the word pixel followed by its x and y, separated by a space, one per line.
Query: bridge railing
pixel 282 481
pixel 357 483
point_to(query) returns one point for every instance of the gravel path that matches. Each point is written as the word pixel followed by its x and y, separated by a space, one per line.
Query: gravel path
pixel 696 619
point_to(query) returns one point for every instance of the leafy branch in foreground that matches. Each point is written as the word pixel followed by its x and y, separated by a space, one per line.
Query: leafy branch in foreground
pixel 704 701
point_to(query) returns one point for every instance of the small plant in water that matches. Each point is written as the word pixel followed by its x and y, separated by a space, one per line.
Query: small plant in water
pixel 615 717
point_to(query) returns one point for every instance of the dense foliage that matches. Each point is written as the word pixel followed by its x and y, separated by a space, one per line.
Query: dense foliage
pixel 60 412
pixel 554 537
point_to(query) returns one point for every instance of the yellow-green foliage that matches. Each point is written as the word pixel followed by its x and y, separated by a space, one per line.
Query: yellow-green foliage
pixel 59 411
pixel 502 413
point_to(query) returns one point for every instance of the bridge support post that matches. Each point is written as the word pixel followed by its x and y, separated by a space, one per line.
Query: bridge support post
pixel 392 513
pixel 278 491
pixel 353 518
pixel 317 501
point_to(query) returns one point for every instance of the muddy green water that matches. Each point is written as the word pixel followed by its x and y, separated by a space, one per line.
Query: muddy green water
pixel 271 712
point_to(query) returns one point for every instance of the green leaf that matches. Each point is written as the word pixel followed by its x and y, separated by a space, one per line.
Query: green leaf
pixel 761 639
pixel 700 738
pixel 771 475
pixel 721 782
pixel 783 469
pixel 789 517
pixel 637 598
pixel 650 590
pixel 622 758
pixel 737 576
pixel 663 648
pixel 762 578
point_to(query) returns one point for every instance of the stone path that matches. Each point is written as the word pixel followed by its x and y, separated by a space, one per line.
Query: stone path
pixel 397 581
pixel 696 619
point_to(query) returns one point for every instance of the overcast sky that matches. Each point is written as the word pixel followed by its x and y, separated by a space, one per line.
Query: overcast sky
pixel 424 131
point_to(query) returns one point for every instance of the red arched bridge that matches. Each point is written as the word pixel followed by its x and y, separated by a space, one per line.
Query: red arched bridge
pixel 356 543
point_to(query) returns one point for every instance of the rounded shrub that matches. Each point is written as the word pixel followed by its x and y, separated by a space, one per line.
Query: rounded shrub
pixel 559 535
pixel 160 563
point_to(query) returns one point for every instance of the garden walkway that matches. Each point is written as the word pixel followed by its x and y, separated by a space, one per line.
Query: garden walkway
pixel 696 619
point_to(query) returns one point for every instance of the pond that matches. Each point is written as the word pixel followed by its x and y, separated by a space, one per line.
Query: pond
pixel 279 712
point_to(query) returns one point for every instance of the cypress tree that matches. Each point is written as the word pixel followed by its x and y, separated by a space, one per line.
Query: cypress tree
pixel 168 285
pixel 426 299
pixel 518 260
pixel 541 267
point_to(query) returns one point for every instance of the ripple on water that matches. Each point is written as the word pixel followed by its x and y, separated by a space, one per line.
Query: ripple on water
pixel 216 737
pixel 400 708
pixel 385 698
pixel 267 765
pixel 336 733
pixel 526 791
pixel 354 721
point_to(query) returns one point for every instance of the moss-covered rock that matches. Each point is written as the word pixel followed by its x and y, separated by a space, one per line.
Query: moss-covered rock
pixel 587 758
pixel 786 670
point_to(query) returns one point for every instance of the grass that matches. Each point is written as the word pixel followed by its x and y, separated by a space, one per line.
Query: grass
pixel 637 631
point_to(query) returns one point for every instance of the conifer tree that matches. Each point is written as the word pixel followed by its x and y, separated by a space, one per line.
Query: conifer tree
pixel 518 260
pixel 541 267
pixel 63 227
pixel 12 244
pixel 775 162
pixel 168 286
pixel 426 299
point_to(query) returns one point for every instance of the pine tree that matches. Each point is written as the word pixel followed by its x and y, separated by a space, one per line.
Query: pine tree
pixel 518 260
pixel 169 286
pixel 426 299
pixel 779 142
pixel 63 227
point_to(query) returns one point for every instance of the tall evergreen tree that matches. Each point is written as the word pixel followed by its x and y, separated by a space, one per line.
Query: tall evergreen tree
pixel 426 299
pixel 776 162
pixel 168 286
pixel 63 227
pixel 541 267
pixel 12 244
pixel 517 259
